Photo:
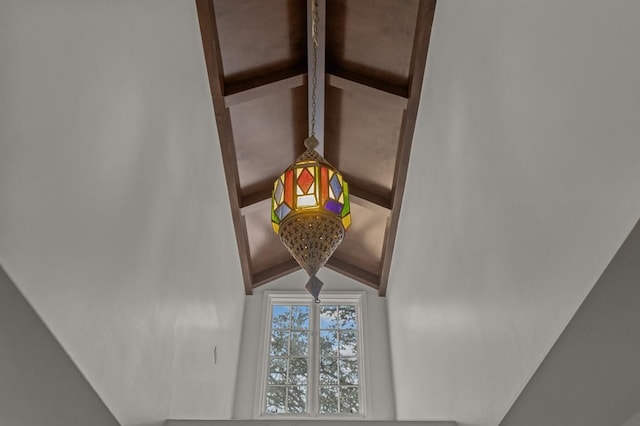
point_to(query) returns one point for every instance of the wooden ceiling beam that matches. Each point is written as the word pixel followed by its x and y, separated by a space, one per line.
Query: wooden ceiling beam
pixel 262 86
pixel 366 198
pixel 213 60
pixel 249 202
pixel 420 48
pixel 378 91
pixel 277 69
pixel 353 271
pixel 275 272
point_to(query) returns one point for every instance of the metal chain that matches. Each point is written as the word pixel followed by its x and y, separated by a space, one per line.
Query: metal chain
pixel 314 76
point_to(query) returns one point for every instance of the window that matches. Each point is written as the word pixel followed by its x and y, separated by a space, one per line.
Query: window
pixel 313 362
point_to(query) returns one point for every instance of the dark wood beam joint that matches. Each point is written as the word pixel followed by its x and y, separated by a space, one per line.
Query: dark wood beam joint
pixel 262 86
pixel 377 91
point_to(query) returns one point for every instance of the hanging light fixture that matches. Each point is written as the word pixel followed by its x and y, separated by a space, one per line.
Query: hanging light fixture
pixel 310 208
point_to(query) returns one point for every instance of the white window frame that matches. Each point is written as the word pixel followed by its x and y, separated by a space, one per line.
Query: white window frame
pixel 334 298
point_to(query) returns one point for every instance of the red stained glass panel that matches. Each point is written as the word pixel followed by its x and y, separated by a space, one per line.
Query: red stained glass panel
pixel 305 180
pixel 288 187
pixel 324 185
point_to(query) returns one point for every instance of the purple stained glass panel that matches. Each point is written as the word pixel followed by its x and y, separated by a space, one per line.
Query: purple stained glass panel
pixel 333 206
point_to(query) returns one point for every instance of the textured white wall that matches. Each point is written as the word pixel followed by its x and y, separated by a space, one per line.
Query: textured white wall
pixel 523 183
pixel 114 215
pixel 380 399
pixel 39 384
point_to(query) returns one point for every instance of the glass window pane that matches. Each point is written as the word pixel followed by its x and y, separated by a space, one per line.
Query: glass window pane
pixel 277 371
pixel 348 317
pixel 280 316
pixel 348 343
pixel 348 371
pixel 298 371
pixel 328 399
pixel 275 399
pixel 337 380
pixel 328 343
pixel 349 400
pixel 296 399
pixel 328 317
pixel 279 343
pixel 328 371
pixel 300 317
pixel 299 343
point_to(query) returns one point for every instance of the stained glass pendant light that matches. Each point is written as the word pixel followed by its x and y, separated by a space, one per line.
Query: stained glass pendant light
pixel 310 208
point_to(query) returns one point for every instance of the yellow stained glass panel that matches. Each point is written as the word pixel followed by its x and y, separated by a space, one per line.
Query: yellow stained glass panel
pixel 346 221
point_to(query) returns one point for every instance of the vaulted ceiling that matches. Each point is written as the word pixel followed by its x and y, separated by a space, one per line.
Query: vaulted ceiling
pixel 256 53
pixel 115 220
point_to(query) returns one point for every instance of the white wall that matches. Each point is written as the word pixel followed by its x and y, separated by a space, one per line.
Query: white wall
pixel 522 184
pixel 633 420
pixel 591 376
pixel 39 384
pixel 380 398
pixel 114 216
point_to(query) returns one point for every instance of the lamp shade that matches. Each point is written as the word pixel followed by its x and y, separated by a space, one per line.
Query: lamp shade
pixel 310 209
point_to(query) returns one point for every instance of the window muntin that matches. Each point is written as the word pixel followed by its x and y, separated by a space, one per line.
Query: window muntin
pixel 313 364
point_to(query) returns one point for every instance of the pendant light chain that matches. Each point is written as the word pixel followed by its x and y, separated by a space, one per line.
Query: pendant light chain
pixel 314 77
pixel 310 208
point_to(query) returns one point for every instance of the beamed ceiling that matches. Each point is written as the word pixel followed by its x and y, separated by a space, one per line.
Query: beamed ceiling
pixel 256 56
pixel 522 185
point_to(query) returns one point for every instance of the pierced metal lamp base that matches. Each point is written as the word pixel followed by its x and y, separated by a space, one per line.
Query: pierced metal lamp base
pixel 311 238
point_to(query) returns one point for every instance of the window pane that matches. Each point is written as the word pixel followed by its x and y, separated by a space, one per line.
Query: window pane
pixel 280 316
pixel 328 399
pixel 279 343
pixel 328 317
pixel 348 399
pixel 299 343
pixel 348 317
pixel 337 380
pixel 328 343
pixel 297 371
pixel 348 343
pixel 275 399
pixel 348 371
pixel 277 371
pixel 328 371
pixel 297 399
pixel 300 317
